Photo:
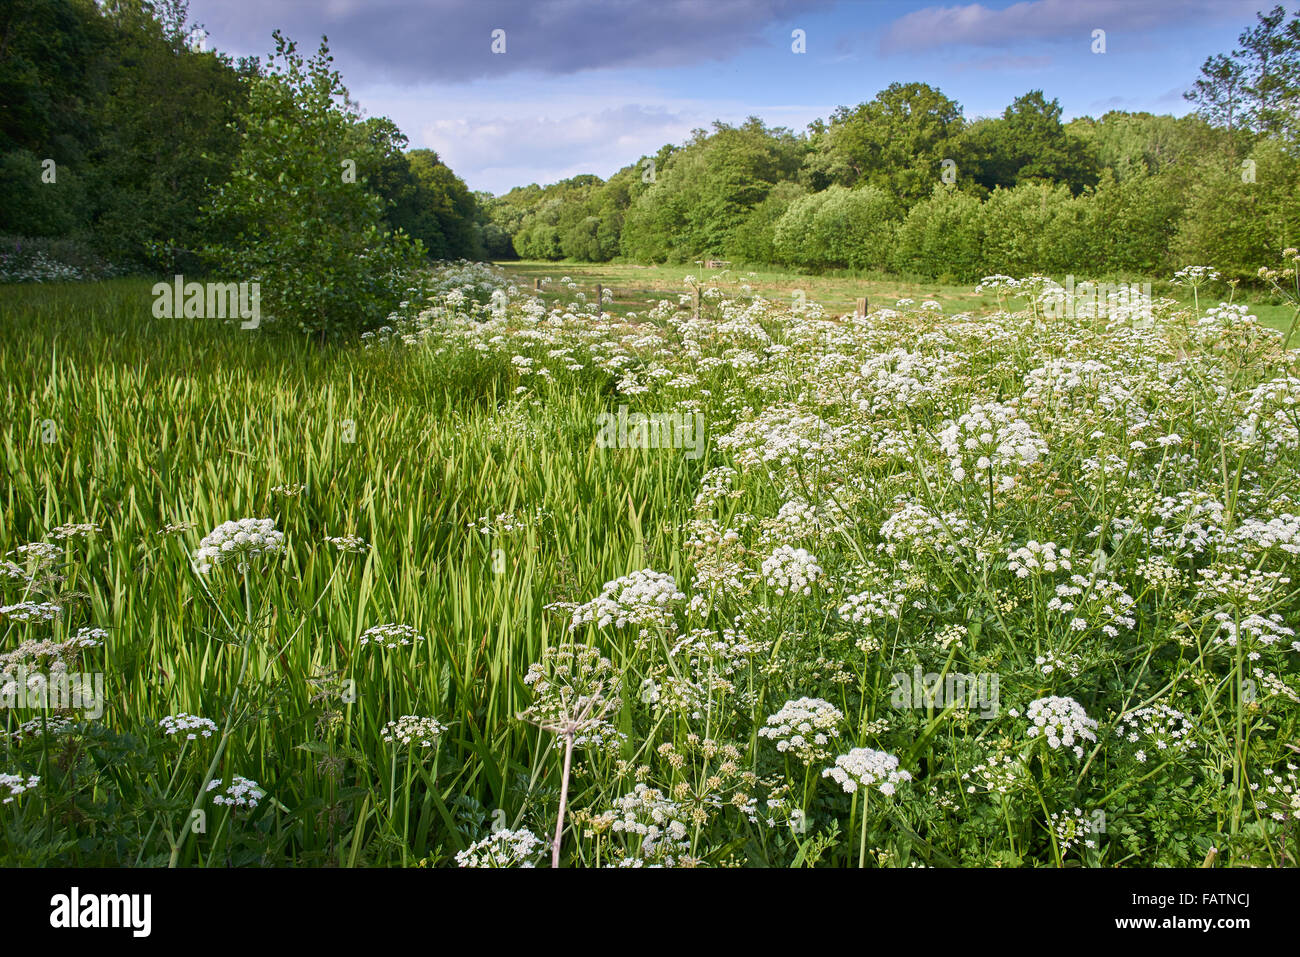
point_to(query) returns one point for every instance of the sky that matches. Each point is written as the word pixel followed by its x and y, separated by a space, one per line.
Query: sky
pixel 589 86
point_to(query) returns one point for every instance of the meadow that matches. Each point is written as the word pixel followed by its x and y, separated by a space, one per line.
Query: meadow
pixel 963 582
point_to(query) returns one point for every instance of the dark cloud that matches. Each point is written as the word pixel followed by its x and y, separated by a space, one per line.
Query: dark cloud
pixel 408 41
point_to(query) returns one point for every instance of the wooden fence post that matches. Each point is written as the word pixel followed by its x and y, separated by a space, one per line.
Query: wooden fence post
pixel 861 309
pixel 537 285
pixel 600 300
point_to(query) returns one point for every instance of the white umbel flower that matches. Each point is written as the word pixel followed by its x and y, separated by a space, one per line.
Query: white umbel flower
pixel 238 542
pixel 241 792
pixel 804 728
pixel 503 848
pixel 865 767
pixel 1061 722
pixel 411 729
pixel 191 726
pixel 791 571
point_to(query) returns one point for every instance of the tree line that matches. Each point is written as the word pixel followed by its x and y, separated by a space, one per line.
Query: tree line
pixel 116 128
pixel 904 183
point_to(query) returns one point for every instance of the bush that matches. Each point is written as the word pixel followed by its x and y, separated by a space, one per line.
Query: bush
pixel 1033 228
pixel 33 207
pixel 39 259
pixel 1239 225
pixel 289 217
pixel 838 227
pixel 942 238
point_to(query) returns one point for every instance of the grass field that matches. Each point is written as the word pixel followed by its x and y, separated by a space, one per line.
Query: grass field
pixel 1082 513
pixel 636 287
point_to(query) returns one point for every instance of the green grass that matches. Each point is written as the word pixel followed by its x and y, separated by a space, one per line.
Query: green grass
pixel 158 430
pixel 635 287
pixel 161 422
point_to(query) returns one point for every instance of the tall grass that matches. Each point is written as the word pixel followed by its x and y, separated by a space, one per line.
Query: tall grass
pixel 183 422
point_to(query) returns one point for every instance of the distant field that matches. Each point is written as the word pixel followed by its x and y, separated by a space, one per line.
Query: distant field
pixel 636 287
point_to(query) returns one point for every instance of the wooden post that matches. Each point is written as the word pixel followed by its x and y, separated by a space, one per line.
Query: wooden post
pixel 537 285
pixel 600 300
pixel 697 302
pixel 861 309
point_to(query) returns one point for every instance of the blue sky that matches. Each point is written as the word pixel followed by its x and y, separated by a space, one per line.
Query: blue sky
pixel 588 86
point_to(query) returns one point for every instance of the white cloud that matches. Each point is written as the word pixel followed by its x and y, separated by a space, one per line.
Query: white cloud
pixel 974 24
pixel 495 142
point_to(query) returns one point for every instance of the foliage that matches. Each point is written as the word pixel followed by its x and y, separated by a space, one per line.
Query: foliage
pixel 292 218
pixel 1098 509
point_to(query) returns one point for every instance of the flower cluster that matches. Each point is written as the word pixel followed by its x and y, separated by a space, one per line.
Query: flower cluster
pixel 1160 726
pixel 1060 722
pixel 238 542
pixel 240 793
pixel 804 728
pixel 390 636
pixel 642 599
pixel 791 571
pixel 14 785
pixel 575 690
pixel 990 444
pixel 410 730
pixel 189 725
pixel 864 767
pixel 503 848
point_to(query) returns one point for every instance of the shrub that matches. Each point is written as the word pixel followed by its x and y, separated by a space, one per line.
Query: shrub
pixel 314 240
pixel 942 237
pixel 39 259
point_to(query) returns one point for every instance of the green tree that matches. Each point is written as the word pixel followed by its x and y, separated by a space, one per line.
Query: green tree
pixel 167 115
pixel 1257 86
pixel 1027 143
pixel 942 237
pixel 896 142
pixel 1238 223
pixel 1033 228
pixel 288 217
pixel 838 227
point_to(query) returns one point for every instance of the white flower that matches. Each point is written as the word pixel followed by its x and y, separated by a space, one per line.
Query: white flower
pixel 27 611
pixel 503 848
pixel 864 767
pixel 13 785
pixel 804 728
pixel 791 571
pixel 1061 722
pixel 238 542
pixel 240 793
pixel 643 598
pixel 347 543
pixel 390 636
pixel 410 730
pixel 189 725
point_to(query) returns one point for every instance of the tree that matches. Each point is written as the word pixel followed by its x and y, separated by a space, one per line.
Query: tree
pixel 167 115
pixel 432 204
pixel 291 218
pixel 838 227
pixel 1257 86
pixel 942 237
pixel 702 193
pixel 896 142
pixel 1027 143
pixel 1033 228
pixel 1238 224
